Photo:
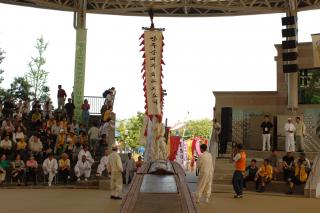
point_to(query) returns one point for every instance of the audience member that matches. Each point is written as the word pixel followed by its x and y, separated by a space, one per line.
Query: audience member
pixel 18 168
pixel 4 164
pixel 264 176
pixel 83 168
pixel 287 165
pixel 64 168
pixel 103 163
pixel 31 170
pixel 50 167
pixel 299 176
pixel 250 173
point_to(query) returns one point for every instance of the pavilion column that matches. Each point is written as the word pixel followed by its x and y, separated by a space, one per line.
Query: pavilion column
pixel 80 57
pixel 292 78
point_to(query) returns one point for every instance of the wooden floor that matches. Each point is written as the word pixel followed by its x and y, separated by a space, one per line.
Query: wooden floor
pixel 97 201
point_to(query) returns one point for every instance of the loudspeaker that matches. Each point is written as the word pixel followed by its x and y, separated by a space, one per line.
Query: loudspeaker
pixel 290 20
pixel 289 44
pixel 226 128
pixel 290 68
pixel 289 56
pixel 290 32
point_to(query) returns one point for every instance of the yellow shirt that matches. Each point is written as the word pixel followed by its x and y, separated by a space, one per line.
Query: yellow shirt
pixel 21 145
pixel 36 117
pixel 300 129
pixel 266 171
pixel 64 164
pixel 300 173
pixel 61 139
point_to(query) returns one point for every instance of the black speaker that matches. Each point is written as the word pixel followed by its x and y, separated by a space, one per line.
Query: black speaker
pixel 290 20
pixel 290 68
pixel 289 32
pixel 226 128
pixel 289 44
pixel 289 56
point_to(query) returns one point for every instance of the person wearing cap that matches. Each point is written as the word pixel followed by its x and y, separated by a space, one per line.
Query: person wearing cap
pixel 64 167
pixel 289 129
pixel 103 163
pixel 239 157
pixel 82 168
pixel 50 167
pixel 205 166
pixel 114 166
pixel 300 134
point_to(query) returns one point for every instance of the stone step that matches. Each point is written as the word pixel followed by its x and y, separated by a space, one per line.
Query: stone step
pixel 277 187
pixel 262 155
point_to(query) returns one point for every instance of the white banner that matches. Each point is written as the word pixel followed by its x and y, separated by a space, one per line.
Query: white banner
pixel 316 49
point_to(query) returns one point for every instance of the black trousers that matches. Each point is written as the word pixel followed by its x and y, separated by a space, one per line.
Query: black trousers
pixel 64 174
pixel 237 182
pixel 31 173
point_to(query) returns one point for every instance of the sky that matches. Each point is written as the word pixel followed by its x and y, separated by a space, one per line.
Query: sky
pixel 201 55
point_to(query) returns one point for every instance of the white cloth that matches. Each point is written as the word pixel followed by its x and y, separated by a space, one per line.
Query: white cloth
pixel 88 156
pixel 114 165
pixel 35 146
pixel 130 167
pixel 205 166
pixel 266 142
pixel 289 129
pixel 93 133
pixel 6 144
pixel 82 169
pixel 103 164
pixel 50 167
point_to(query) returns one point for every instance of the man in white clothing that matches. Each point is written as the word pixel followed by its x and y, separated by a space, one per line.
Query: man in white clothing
pixel 50 167
pixel 289 129
pixel 103 163
pixel 114 166
pixel 205 166
pixel 130 168
pixel 82 168
pixel 85 151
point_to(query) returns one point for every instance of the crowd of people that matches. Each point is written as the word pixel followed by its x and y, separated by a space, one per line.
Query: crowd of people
pixel 36 138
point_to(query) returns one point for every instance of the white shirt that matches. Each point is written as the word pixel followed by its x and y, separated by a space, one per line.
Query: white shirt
pixel 87 154
pixel 114 163
pixel 51 165
pixel 6 144
pixel 104 160
pixel 289 127
pixel 93 133
pixel 82 166
pixel 130 165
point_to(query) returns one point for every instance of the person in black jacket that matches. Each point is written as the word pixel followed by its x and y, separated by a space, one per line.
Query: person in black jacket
pixel 266 127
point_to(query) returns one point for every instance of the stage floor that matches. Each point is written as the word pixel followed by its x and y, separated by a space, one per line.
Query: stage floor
pixel 97 201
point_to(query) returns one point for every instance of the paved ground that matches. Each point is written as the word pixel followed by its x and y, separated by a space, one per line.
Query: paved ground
pixel 97 201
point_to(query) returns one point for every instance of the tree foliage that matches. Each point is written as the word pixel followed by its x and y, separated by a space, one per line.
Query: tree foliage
pixel 37 76
pixel 2 57
pixel 130 129
pixel 20 89
pixel 201 128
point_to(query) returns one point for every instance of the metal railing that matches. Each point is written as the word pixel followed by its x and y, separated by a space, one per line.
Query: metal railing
pixel 96 103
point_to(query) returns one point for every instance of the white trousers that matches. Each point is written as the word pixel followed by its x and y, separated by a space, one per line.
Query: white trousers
pixel 82 172
pixel 290 146
pixel 116 183
pixel 101 168
pixel 50 173
pixel 266 142
pixel 204 186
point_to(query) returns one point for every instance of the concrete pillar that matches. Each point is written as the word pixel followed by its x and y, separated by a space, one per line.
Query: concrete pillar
pixel 80 57
pixel 292 78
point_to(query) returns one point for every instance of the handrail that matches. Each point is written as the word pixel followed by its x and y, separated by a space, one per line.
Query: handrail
pixel 96 102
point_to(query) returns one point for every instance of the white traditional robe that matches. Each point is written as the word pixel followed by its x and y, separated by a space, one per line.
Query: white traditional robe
pixel 130 167
pixel 103 164
pixel 289 146
pixel 114 166
pixel 82 169
pixel 205 166
pixel 88 156
pixel 50 167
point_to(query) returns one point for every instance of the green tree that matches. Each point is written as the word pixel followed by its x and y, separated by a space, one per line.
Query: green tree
pixel 20 89
pixel 2 57
pixel 199 128
pixel 37 76
pixel 129 129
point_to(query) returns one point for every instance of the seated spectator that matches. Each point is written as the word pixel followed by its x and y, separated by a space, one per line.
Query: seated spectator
pixel 85 151
pixel 75 126
pixel 47 109
pixel 71 141
pixel 274 162
pixel 48 148
pixel 264 175
pixel 18 168
pixel 103 163
pixel 251 172
pixel 36 105
pixel 64 124
pixel 7 126
pixel 6 145
pixel 83 168
pixel 305 161
pixel 17 114
pixel 35 146
pixel 18 135
pixel 300 176
pixel 4 164
pixel 36 119
pixel 50 167
pixel 287 165
pixel 64 168
pixel 8 107
pixel 83 138
pixel 139 163
pixel 31 170
pixel 61 141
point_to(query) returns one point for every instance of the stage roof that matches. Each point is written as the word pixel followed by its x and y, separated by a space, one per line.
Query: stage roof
pixel 172 8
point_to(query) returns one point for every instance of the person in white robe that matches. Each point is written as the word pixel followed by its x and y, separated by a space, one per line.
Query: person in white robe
pixel 103 163
pixel 130 168
pixel 114 166
pixel 83 168
pixel 206 174
pixel 50 167
pixel 85 151
pixel 289 129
